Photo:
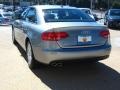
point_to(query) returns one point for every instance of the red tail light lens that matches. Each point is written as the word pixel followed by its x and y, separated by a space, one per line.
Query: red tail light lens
pixel 105 33
pixel 53 36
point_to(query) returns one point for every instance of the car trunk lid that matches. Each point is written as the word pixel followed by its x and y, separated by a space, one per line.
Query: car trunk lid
pixel 80 35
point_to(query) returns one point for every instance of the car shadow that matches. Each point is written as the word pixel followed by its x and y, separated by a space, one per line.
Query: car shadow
pixel 116 29
pixel 23 53
pixel 77 76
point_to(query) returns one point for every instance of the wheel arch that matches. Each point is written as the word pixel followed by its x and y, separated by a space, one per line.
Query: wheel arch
pixel 26 41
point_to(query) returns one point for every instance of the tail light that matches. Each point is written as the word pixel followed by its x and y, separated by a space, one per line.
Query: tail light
pixel 53 36
pixel 105 33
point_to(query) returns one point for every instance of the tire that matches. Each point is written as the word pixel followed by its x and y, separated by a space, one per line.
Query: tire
pixel 30 57
pixel 108 24
pixel 104 23
pixel 13 37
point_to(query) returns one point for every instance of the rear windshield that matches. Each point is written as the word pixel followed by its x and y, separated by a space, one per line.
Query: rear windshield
pixel 115 12
pixel 66 15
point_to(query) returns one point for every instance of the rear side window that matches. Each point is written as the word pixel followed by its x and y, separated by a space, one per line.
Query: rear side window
pixel 66 15
pixel 23 15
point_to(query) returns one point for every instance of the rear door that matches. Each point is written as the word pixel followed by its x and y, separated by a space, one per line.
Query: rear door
pixel 28 25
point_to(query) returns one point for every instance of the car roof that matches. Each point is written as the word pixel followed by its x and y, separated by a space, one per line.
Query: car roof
pixel 85 8
pixel 52 7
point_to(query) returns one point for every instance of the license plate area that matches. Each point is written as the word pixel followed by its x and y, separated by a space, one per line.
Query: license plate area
pixel 84 39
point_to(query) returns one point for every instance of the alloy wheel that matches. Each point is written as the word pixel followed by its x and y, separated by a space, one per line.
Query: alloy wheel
pixel 29 55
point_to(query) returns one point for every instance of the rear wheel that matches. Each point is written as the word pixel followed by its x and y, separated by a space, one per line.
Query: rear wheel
pixel 30 57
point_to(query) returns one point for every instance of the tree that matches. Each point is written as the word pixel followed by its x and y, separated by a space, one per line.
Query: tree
pixel 116 5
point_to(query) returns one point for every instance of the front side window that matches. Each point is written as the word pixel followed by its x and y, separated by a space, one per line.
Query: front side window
pixel 31 16
pixel 66 15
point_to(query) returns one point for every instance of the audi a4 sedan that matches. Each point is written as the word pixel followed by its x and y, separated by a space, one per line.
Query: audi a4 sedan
pixel 54 33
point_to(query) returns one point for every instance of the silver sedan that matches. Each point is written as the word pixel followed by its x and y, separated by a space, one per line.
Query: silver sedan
pixel 51 33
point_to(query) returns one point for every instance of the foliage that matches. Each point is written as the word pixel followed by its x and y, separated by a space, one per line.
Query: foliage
pixel 116 5
pixel 104 4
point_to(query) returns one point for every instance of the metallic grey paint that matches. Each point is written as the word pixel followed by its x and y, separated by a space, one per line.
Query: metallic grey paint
pixel 48 51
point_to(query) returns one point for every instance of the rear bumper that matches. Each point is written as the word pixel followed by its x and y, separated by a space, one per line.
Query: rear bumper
pixel 70 54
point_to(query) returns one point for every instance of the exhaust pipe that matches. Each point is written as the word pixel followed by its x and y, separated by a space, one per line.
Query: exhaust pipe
pixel 57 64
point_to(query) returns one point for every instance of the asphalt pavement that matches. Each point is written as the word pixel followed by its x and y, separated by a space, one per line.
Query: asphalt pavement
pixel 14 72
